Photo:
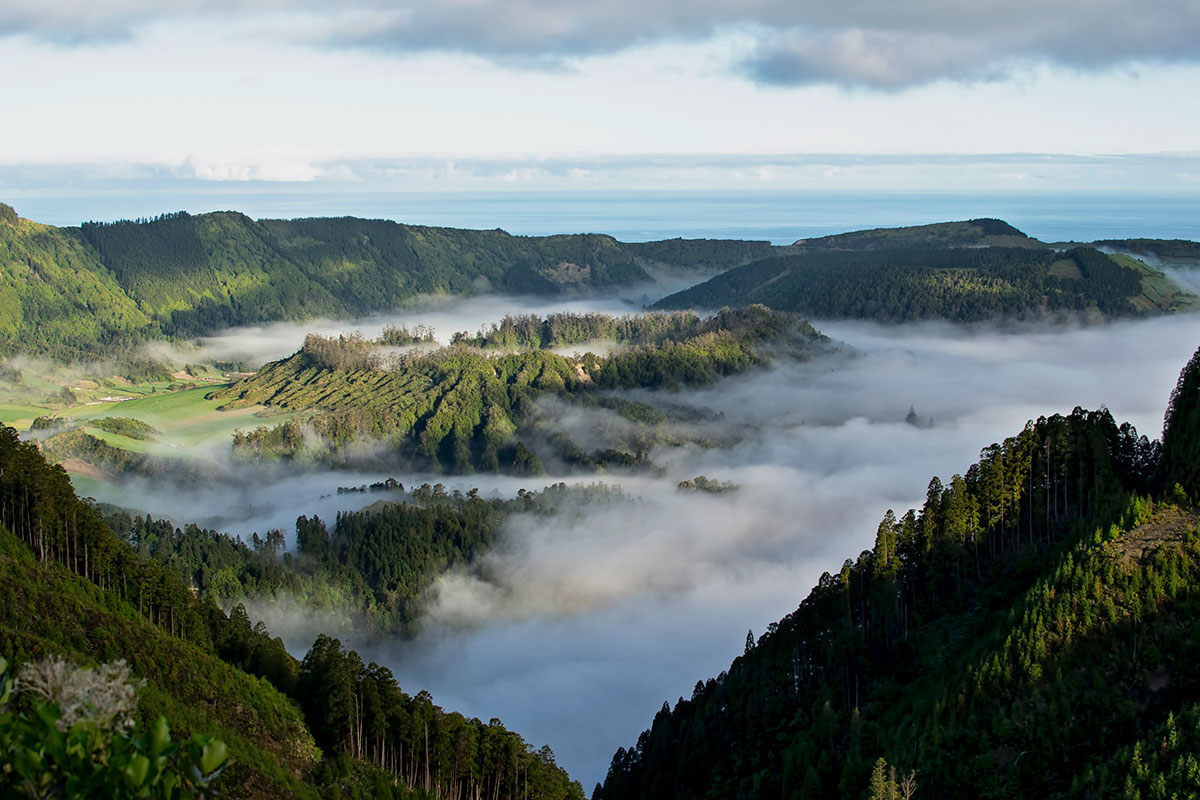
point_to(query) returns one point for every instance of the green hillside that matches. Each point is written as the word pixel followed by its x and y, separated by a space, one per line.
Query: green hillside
pixel 460 409
pixel 971 233
pixel 328 726
pixel 1030 631
pixel 101 288
pixel 959 284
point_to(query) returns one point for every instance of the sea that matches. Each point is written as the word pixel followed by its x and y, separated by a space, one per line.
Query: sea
pixel 780 216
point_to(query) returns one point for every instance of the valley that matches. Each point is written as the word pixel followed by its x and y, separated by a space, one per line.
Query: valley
pixel 548 452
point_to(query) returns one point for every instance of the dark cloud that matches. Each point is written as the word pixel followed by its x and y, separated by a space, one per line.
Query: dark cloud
pixel 871 43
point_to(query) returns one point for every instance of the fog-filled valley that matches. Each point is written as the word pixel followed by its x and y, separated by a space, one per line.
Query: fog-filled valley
pixel 518 400
pixel 562 508
pixel 576 626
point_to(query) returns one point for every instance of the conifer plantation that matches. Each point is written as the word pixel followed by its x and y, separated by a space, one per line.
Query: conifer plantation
pixel 1029 631
pixel 326 725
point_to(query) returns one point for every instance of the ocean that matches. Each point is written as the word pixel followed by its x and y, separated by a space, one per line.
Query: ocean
pixel 778 216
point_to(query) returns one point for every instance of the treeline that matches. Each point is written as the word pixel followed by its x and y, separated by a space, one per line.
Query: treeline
pixel 525 331
pixel 72 585
pixel 72 588
pixel 1172 249
pixel 394 335
pixel 1021 634
pixel 918 283
pixel 459 410
pixel 360 710
pixel 346 352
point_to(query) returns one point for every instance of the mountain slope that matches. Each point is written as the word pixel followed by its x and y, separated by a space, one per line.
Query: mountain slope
pixel 463 408
pixel 971 233
pixel 959 284
pixel 102 287
pixel 69 586
pixel 1017 636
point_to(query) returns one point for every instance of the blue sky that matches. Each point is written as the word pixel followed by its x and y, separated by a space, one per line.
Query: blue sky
pixel 710 94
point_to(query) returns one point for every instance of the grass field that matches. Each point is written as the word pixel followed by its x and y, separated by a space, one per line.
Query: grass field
pixel 184 418
pixel 19 416
pixel 1159 291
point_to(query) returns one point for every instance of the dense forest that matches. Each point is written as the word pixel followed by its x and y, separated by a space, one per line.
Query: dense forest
pixel 919 283
pixel 462 409
pixel 1030 631
pixel 375 564
pixel 328 725
pixel 973 233
pixel 102 288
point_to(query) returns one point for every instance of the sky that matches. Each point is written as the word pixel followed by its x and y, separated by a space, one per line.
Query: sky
pixel 467 95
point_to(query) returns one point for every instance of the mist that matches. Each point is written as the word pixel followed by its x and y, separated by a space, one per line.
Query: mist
pixel 575 628
pixel 254 345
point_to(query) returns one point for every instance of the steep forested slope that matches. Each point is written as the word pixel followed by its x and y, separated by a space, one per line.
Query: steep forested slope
pixel 1030 631
pixel 916 283
pixel 69 586
pixel 102 287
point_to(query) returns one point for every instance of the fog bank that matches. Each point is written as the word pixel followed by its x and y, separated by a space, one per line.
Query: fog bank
pixel 575 628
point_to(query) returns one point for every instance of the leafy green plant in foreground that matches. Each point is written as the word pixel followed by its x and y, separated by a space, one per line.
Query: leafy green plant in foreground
pixel 77 739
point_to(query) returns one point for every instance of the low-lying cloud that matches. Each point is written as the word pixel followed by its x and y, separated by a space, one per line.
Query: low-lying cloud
pixel 254 345
pixel 882 45
pixel 576 627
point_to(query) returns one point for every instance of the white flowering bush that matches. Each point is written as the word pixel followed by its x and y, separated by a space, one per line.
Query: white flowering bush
pixel 79 739
pixel 104 697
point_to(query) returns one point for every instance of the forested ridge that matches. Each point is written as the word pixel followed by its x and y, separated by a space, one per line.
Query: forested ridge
pixel 462 409
pixel 906 283
pixel 328 725
pixel 1030 631
pixel 101 288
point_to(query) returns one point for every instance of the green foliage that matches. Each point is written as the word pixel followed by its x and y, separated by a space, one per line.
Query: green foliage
pixel 95 597
pixel 1167 249
pixel 971 233
pixel 1181 432
pixel 125 426
pixel 104 287
pixel 394 335
pixel 378 562
pixel 915 283
pixel 76 443
pixel 528 331
pixel 460 409
pixel 995 640
pixel 45 754
pixel 360 711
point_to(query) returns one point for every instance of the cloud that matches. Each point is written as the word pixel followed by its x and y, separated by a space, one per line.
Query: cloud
pixel 603 612
pixel 869 43
pixel 577 626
